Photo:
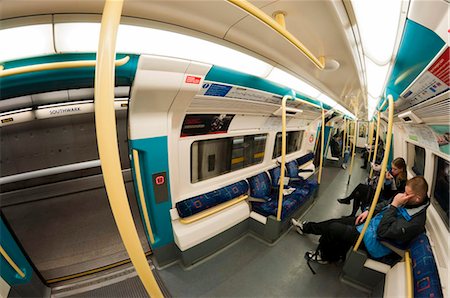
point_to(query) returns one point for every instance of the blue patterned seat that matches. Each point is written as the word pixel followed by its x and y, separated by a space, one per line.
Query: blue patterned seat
pixel 202 202
pixel 305 158
pixel 425 273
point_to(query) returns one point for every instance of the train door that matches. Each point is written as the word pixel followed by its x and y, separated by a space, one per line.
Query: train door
pixel 52 193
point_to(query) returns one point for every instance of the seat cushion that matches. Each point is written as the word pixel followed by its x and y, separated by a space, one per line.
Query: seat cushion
pixel 425 272
pixel 259 185
pixel 202 202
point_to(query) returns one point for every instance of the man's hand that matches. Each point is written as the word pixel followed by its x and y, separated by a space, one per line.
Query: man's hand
pixel 401 199
pixel 362 217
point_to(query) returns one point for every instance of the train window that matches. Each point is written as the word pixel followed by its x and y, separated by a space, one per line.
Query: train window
pixel 211 158
pixel 416 159
pixel 440 195
pixel 293 142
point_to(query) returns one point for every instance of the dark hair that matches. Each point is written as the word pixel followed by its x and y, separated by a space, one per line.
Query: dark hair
pixel 419 186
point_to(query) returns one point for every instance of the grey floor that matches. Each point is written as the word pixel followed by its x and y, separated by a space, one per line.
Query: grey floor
pixel 251 268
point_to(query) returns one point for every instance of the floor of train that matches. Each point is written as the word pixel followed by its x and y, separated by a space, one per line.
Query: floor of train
pixel 251 268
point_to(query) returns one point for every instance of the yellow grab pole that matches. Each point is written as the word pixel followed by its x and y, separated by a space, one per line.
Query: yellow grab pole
pixel 371 127
pixel 353 153
pixel 382 173
pixel 11 262
pixel 279 17
pixel 347 143
pixel 283 155
pixel 107 145
pixel 375 151
pixel 322 141
pixel 343 140
pixel 409 277
pixel 56 65
pixel 263 17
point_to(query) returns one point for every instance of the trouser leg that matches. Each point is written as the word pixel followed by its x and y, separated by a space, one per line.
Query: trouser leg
pixel 320 228
pixel 337 240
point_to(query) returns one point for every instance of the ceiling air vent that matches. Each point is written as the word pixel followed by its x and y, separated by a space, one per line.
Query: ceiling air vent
pixel 409 117
pixel 289 112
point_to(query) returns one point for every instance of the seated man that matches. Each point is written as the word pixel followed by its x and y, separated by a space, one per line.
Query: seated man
pixel 400 220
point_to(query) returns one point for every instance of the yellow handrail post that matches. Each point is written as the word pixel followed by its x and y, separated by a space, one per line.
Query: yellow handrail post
pixel 107 145
pixel 344 136
pixel 409 277
pixel 375 151
pixel 283 155
pixel 353 152
pixel 11 262
pixel 382 173
pixel 371 127
pixel 322 141
pixel 263 17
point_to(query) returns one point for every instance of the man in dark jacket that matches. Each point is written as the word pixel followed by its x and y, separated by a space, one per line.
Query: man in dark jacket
pixel 399 220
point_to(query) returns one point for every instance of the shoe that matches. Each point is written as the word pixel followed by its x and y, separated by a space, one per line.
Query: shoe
pixel 314 256
pixel 344 166
pixel 363 167
pixel 345 201
pixel 298 226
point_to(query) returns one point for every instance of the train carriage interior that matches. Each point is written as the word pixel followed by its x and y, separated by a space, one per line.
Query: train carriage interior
pixel 165 148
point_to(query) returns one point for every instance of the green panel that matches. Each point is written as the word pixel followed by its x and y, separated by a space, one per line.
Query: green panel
pixel 60 79
pixel 419 45
pixel 228 76
pixel 12 249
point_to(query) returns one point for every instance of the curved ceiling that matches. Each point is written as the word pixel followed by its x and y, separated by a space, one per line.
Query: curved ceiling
pixel 322 26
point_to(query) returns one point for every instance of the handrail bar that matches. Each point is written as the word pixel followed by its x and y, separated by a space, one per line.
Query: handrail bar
pixel 371 127
pixel 212 210
pixel 56 65
pixel 382 173
pixel 343 139
pixel 263 17
pixel 353 152
pixel 376 144
pixel 322 147
pixel 11 262
pixel 137 168
pixel 50 171
pixel 105 124
pixel 409 277
pixel 283 154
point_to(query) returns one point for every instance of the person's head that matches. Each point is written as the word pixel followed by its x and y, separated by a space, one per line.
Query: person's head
pixel 398 167
pixel 418 187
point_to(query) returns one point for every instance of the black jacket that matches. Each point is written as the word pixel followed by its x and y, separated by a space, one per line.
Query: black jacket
pixel 393 226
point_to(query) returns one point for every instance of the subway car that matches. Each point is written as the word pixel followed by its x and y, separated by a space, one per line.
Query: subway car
pixel 180 148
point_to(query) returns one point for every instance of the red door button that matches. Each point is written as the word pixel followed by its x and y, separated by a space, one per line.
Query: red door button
pixel 159 180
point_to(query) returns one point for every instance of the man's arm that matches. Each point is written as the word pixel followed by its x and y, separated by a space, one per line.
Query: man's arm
pixel 397 229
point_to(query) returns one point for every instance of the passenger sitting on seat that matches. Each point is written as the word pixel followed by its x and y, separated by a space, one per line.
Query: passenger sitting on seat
pixel 335 145
pixel 400 220
pixel 363 194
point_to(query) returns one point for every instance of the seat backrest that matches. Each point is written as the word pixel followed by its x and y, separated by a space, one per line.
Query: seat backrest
pixel 202 202
pixel 425 272
pixel 275 174
pixel 305 158
pixel 292 169
pixel 260 185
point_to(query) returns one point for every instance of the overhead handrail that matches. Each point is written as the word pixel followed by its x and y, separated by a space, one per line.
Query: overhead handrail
pixel 50 171
pixel 106 129
pixel 212 210
pixel 343 140
pixel 322 141
pixel 11 262
pixel 409 277
pixel 137 168
pixel 280 28
pixel 371 127
pixel 353 152
pixel 375 151
pixel 283 154
pixel 56 65
pixel 382 173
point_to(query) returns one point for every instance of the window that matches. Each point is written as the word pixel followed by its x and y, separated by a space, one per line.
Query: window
pixel 416 159
pixel 440 196
pixel 211 158
pixel 293 142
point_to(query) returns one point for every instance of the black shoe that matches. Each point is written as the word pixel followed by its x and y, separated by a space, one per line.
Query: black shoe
pixel 363 167
pixel 345 201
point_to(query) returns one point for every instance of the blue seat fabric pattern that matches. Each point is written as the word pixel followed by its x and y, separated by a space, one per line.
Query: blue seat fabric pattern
pixel 259 185
pixel 425 273
pixel 292 169
pixel 202 202
pixel 305 158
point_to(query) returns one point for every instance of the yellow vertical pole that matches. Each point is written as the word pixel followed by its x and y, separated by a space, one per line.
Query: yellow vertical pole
pixel 322 140
pixel 382 173
pixel 283 155
pixel 375 151
pixel 353 153
pixel 344 137
pixel 371 127
pixel 108 150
